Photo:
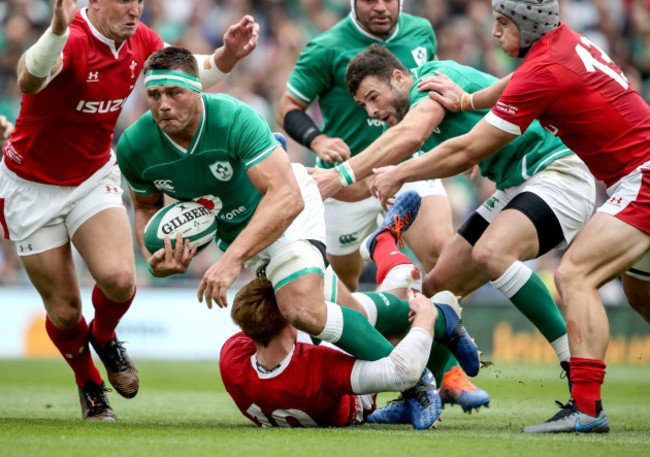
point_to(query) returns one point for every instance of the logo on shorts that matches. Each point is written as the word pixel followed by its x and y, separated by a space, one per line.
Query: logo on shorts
pixel 348 238
pixel 491 202
pixel 25 248
pixel 111 190
pixel 616 201
pixel 222 171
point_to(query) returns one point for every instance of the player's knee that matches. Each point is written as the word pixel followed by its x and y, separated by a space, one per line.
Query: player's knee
pixel 66 316
pixel 484 255
pixel 303 319
pixel 118 286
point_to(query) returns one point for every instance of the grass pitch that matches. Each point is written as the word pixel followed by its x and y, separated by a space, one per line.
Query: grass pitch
pixel 183 410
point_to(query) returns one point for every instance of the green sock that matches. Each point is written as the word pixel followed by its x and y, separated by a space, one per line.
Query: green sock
pixel 536 303
pixel 392 315
pixel 361 339
pixel 440 361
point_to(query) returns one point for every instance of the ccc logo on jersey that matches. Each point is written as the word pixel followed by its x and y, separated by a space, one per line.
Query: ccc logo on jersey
pixel 348 238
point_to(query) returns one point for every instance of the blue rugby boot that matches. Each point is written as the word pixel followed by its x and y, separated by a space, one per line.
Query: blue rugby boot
pixel 571 420
pixel 398 219
pixel 456 337
pixel 395 412
pixel 423 402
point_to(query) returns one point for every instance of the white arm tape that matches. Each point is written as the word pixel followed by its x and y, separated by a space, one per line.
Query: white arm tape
pixel 397 372
pixel 45 53
pixel 211 76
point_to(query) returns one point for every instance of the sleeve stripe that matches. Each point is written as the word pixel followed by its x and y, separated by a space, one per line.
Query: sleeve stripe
pixel 502 124
pixel 298 94
pixel 258 158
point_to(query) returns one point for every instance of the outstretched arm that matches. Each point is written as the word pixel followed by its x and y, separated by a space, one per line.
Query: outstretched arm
pixel 393 146
pixel 450 95
pixel 43 59
pixel 238 42
pixel 404 366
pixel 447 159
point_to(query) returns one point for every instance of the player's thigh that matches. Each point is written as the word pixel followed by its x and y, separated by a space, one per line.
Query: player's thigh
pixel 431 230
pixel 455 270
pixel 602 250
pixel 510 235
pixel 348 223
pixel 637 290
pixel 53 274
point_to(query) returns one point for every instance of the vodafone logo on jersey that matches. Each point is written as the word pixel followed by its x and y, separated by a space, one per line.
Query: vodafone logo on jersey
pixel 103 106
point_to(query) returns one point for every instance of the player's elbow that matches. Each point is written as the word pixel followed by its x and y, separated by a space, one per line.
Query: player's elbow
pixel 408 377
pixel 28 85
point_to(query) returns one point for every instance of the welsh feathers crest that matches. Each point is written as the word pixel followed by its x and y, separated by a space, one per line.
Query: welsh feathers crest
pixel 222 170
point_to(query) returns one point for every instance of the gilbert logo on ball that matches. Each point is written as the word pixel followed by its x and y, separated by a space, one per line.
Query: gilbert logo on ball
pixel 191 219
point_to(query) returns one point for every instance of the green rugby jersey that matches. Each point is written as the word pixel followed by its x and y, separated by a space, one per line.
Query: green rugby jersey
pixel 512 164
pixel 231 138
pixel 320 72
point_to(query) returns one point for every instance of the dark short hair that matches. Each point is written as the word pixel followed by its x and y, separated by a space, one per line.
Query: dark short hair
pixel 172 58
pixel 256 311
pixel 376 61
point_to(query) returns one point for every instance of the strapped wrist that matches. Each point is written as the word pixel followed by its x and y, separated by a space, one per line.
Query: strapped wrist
pixel 345 174
pixel 44 54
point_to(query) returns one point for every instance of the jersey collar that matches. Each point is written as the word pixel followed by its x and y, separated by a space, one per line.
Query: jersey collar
pixel 367 34
pixel 195 140
pixel 263 374
pixel 107 41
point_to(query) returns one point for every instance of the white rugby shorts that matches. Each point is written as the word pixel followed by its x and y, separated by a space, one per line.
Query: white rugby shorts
pixel 566 186
pixel 40 217
pixel 291 255
pixel 348 223
pixel 629 201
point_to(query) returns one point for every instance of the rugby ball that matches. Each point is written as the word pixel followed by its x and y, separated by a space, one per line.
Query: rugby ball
pixel 193 220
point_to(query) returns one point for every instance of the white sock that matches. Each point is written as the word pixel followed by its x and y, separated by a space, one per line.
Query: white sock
pixel 561 347
pixel 333 325
pixel 368 305
pixel 513 279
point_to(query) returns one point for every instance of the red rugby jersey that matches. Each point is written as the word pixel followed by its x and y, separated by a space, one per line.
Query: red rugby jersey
pixel 311 388
pixel 577 93
pixel 63 133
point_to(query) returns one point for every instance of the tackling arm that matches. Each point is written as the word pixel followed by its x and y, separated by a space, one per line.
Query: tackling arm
pixel 450 95
pixel 403 367
pixel 447 159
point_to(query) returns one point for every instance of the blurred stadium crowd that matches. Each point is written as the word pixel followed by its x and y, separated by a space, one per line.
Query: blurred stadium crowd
pixel 463 29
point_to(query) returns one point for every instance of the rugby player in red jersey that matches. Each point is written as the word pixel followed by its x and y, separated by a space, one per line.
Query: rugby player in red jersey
pixel 577 93
pixel 60 184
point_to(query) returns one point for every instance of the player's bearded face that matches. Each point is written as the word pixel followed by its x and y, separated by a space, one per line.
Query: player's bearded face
pixel 118 19
pixel 506 34
pixel 382 100
pixel 176 110
pixel 378 16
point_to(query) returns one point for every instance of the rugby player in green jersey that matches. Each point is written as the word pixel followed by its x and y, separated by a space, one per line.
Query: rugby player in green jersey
pixel 319 75
pixel 545 194
pixel 216 150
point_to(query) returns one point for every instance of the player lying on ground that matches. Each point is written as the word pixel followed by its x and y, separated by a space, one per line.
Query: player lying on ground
pixel 277 381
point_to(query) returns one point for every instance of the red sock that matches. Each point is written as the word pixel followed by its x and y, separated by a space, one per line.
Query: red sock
pixel 587 375
pixel 386 255
pixel 73 345
pixel 107 315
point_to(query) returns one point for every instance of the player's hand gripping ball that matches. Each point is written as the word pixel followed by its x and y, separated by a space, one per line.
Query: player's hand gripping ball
pixel 193 220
